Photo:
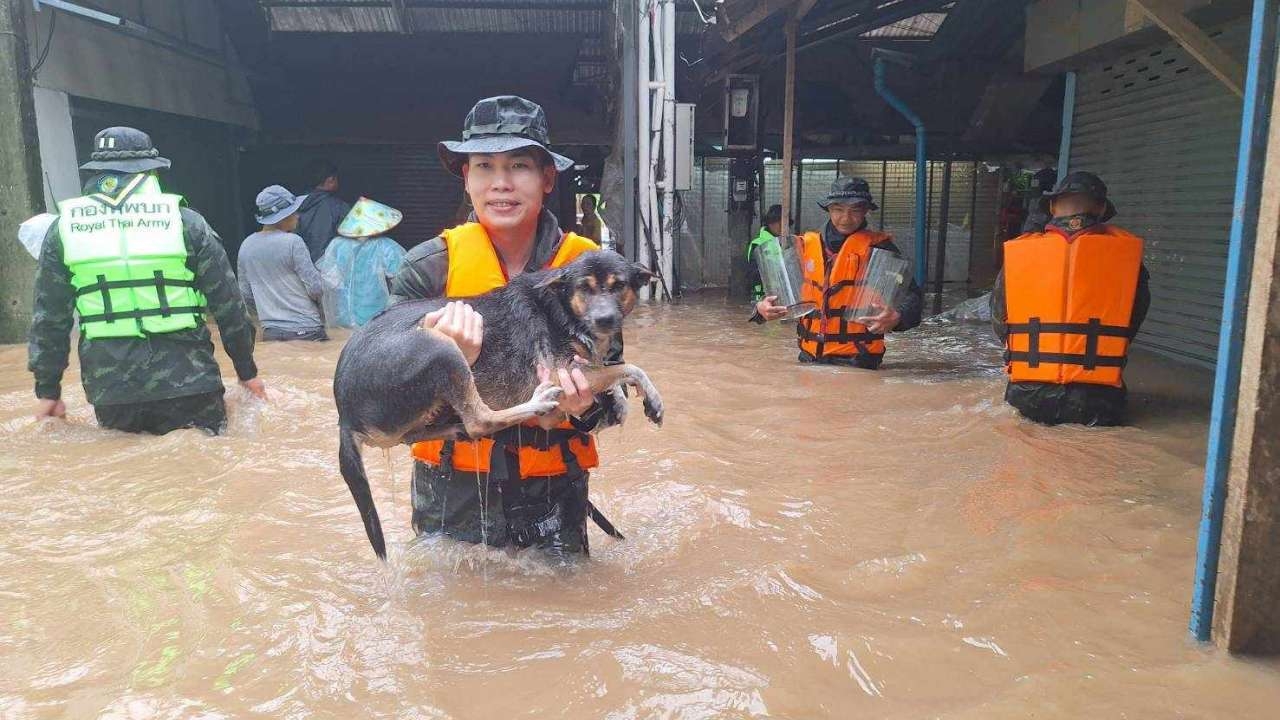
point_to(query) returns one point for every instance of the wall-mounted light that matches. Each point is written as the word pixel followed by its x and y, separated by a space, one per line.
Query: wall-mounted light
pixel 78 10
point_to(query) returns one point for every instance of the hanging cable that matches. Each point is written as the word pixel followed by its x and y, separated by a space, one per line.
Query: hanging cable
pixel 48 42
pixel 705 20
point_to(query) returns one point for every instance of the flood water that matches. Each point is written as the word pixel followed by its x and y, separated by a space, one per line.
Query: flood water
pixel 803 542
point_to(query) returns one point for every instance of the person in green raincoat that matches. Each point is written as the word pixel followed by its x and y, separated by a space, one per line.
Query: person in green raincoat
pixel 770 228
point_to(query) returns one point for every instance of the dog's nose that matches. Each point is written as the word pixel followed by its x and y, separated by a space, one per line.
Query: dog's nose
pixel 607 321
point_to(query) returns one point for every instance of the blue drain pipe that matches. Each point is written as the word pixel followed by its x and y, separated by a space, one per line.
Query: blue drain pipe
pixel 1259 85
pixel 922 171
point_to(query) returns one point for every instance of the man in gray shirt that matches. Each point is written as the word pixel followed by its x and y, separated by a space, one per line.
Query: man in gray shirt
pixel 277 277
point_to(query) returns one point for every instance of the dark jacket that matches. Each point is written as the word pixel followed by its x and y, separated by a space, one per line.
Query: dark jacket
pixel 1082 403
pixel 118 371
pixel 318 220
pixel 426 269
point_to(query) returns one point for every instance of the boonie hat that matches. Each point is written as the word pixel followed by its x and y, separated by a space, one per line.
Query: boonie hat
pixel 124 149
pixel 276 203
pixel 369 218
pixel 1081 183
pixel 498 125
pixel 849 191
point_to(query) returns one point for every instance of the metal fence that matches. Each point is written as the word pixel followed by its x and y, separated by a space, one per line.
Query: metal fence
pixel 705 247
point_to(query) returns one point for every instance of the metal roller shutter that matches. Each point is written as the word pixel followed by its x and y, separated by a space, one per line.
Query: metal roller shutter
pixel 1163 134
pixel 409 178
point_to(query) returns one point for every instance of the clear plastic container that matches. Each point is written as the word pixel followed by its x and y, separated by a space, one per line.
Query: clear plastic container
pixel 887 274
pixel 780 273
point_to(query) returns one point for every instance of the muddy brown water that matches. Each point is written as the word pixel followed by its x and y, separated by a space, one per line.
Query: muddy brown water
pixel 804 542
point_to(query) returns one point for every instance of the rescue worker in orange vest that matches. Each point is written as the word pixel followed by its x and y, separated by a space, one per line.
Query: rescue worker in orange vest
pixel 835 264
pixel 1067 304
pixel 525 486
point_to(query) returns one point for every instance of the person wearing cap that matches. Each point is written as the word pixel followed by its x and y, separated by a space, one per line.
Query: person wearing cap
pixel 1067 303
pixel 322 209
pixel 360 262
pixel 533 482
pixel 770 229
pixel 140 270
pixel 277 277
pixel 834 262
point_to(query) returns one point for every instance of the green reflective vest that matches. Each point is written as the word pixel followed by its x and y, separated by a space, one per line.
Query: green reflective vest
pixel 765 236
pixel 128 262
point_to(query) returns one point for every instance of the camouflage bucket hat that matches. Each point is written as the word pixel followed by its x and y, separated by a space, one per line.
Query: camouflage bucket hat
pixel 849 191
pixel 124 149
pixel 497 125
pixel 369 218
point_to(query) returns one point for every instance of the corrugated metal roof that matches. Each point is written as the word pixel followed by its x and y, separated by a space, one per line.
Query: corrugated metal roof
pixel 917 27
pixel 351 19
pixel 452 16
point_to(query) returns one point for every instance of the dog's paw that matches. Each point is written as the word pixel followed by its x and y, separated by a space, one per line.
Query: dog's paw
pixel 653 409
pixel 546 398
pixel 615 407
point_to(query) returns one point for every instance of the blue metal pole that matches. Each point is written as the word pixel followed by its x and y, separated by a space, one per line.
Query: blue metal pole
pixel 922 260
pixel 1259 85
pixel 1068 121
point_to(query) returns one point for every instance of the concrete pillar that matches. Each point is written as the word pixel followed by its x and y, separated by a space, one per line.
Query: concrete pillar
pixel 20 188
pixel 1247 619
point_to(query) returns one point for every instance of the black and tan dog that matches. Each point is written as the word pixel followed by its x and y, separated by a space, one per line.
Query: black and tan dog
pixel 398 382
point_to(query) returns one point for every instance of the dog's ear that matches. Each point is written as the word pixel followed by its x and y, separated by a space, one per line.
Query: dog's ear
pixel 640 275
pixel 554 281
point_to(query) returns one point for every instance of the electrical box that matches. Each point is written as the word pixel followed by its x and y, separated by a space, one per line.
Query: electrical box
pixel 684 145
pixel 742 183
pixel 741 112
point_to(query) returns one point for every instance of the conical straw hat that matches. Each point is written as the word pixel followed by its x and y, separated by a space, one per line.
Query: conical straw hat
pixel 369 218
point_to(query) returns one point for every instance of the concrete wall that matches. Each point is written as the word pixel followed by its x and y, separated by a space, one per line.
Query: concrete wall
pixel 176 63
pixel 59 175
pixel 1059 30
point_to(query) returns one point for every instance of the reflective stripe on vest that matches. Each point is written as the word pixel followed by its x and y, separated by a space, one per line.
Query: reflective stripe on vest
pixel 128 263
pixel 826 333
pixel 474 269
pixel 764 236
pixel 1070 302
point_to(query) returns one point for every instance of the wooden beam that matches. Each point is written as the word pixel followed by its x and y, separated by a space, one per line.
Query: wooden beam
pixel 736 27
pixel 1194 40
pixel 1247 618
pixel 788 125
pixel 803 7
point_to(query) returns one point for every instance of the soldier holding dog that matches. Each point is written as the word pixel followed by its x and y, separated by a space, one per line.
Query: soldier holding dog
pixel 536 480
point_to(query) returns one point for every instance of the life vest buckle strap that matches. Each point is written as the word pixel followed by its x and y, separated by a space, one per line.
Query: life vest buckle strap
pixel 1068 359
pixel 1091 330
pixel 103 284
pixel 1070 328
pixel 109 316
pixel 162 296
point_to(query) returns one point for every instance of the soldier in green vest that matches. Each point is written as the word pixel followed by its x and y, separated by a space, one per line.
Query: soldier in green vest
pixel 140 270
pixel 770 228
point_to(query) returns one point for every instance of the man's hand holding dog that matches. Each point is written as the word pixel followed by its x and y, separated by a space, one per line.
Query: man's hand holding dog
pixel 577 397
pixel 463 325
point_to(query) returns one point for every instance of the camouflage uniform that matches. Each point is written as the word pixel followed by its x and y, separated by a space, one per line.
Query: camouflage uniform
pixel 127 378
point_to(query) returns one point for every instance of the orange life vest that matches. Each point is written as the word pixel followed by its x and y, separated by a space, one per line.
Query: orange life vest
pixel 825 332
pixel 474 269
pixel 1070 301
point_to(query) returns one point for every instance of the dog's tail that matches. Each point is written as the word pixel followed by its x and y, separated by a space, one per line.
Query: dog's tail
pixel 352 465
